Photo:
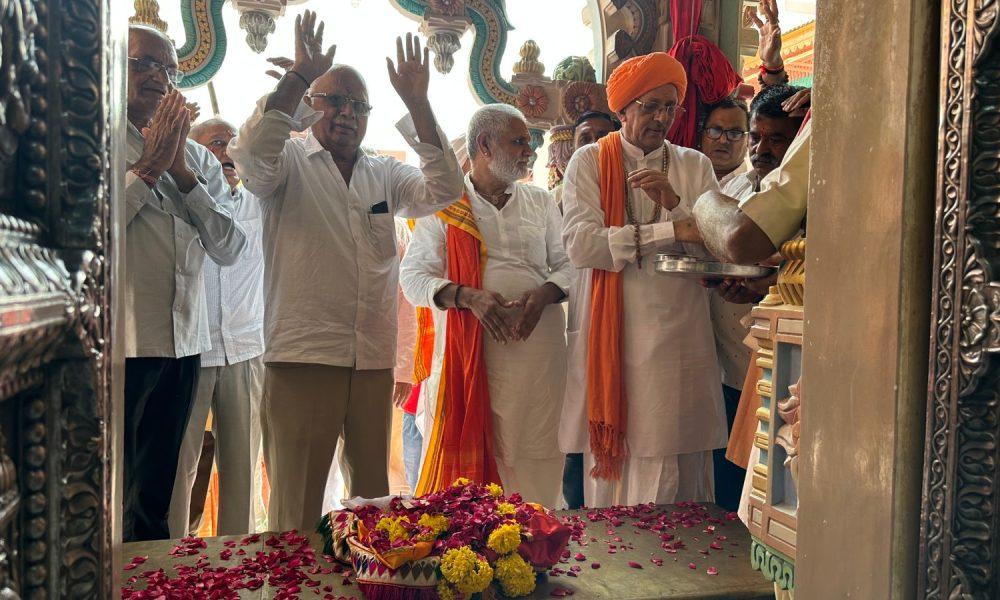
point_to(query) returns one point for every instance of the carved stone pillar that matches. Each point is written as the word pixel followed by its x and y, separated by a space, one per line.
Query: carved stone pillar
pixel 959 517
pixel 55 298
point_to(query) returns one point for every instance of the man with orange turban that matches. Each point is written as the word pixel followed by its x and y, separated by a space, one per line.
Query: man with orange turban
pixel 642 396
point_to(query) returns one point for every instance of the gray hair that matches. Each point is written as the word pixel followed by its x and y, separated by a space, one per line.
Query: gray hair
pixel 199 128
pixel 490 120
pixel 136 28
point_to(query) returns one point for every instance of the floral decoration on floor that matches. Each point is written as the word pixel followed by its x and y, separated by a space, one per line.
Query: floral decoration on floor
pixel 454 544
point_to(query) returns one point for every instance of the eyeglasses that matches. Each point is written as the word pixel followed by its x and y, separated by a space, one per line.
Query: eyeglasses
pixel 337 102
pixel 652 108
pixel 733 135
pixel 145 65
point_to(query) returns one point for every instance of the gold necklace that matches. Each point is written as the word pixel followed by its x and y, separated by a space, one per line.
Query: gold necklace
pixel 630 212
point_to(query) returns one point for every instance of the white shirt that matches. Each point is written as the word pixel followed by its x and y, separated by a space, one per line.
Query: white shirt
pixel 235 294
pixel 727 317
pixel 670 368
pixel 406 317
pixel 523 251
pixel 331 269
pixel 167 236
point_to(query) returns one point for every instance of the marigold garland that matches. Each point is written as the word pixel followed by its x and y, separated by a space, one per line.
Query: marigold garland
pixel 515 575
pixel 506 509
pixel 472 532
pixel 505 538
pixel 466 570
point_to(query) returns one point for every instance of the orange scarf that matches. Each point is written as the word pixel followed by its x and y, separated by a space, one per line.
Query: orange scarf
pixel 606 399
pixel 461 443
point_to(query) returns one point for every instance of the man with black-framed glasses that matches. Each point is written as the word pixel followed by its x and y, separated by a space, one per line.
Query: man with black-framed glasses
pixel 332 265
pixel 178 209
pixel 723 138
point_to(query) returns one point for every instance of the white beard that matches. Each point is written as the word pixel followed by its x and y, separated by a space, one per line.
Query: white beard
pixel 505 168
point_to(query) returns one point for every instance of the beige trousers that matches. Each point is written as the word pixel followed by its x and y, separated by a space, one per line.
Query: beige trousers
pixel 305 411
pixel 233 394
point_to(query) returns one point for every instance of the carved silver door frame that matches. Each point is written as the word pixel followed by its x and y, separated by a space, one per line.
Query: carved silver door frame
pixel 959 518
pixel 56 282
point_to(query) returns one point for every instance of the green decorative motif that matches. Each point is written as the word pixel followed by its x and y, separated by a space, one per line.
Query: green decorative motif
pixel 537 138
pixel 204 49
pixel 489 19
pixel 575 68
pixel 775 566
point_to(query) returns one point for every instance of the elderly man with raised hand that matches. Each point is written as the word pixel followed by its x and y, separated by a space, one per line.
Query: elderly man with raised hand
pixel 332 267
pixel 642 396
pixel 232 372
pixel 495 261
pixel 177 210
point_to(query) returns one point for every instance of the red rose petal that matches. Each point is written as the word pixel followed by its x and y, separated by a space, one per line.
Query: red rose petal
pixel 712 571
pixel 692 566
pixel 634 565
pixel 595 565
pixel 580 557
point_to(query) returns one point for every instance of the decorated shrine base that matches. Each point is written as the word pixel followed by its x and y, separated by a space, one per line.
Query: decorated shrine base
pixel 707 560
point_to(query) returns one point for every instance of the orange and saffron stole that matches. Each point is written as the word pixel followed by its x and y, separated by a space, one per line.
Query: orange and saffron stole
pixel 461 443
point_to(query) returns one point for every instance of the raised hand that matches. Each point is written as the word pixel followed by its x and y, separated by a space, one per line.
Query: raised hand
pixel 310 60
pixel 798 104
pixel 162 136
pixel 282 63
pixel 411 74
pixel 657 187
pixel 769 50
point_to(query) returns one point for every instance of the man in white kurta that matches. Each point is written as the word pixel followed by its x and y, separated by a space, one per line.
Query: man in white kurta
pixel 520 228
pixel 675 415
pixel 331 267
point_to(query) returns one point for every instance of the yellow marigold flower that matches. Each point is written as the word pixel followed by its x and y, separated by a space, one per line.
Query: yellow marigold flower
pixel 438 524
pixel 506 509
pixel 393 527
pixel 445 591
pixel 494 490
pixel 460 481
pixel 515 575
pixel 464 569
pixel 505 538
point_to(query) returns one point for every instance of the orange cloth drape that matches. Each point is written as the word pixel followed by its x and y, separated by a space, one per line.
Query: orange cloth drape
pixel 461 443
pixel 606 399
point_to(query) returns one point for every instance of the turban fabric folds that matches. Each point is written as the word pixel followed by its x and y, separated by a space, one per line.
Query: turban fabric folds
pixel 640 74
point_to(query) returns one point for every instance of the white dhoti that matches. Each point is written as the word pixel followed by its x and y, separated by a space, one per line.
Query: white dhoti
pixel 658 479
pixel 669 367
pixel 526 381
pixel 526 378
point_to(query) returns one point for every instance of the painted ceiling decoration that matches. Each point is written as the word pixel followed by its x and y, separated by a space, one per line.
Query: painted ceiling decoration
pixel 623 28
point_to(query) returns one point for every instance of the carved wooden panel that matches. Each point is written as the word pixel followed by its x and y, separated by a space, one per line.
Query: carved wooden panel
pixel 55 232
pixel 959 518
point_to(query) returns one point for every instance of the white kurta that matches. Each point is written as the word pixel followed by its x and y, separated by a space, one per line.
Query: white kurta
pixel 670 367
pixel 526 379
